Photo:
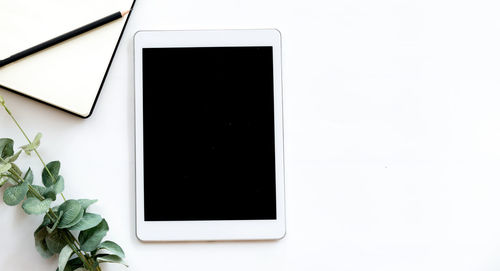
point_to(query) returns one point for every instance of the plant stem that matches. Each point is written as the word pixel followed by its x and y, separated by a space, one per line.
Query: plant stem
pixel 77 251
pixel 29 141
pixel 51 213
pixel 68 236
pixel 45 166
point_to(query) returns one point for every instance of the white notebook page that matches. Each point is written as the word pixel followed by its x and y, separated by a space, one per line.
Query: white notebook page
pixel 67 75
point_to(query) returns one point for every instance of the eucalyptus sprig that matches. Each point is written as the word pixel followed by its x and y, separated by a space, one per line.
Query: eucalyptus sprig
pixel 55 236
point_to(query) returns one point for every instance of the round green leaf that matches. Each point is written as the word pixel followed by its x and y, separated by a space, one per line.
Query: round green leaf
pixel 52 191
pixel 86 202
pixel 111 259
pixel 13 158
pixel 73 264
pixel 55 241
pixel 91 238
pixel 15 194
pixel 49 194
pixel 88 221
pixel 41 244
pixel 59 185
pixel 54 168
pixel 28 177
pixel 34 206
pixel 6 147
pixel 112 247
pixel 64 257
pixel 73 213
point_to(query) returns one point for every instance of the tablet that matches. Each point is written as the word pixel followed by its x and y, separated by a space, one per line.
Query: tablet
pixel 209 135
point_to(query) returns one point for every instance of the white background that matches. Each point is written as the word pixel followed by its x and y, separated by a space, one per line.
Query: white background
pixel 392 139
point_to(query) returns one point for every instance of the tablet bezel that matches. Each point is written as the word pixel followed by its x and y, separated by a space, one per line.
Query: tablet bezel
pixel 217 229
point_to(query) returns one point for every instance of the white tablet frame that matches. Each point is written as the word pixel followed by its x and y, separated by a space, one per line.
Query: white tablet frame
pixel 209 230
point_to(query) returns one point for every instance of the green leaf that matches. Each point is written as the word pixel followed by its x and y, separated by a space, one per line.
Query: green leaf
pixel 12 158
pixel 34 206
pixel 36 141
pixel 28 177
pixel 6 147
pixel 33 145
pixel 5 167
pixel 66 252
pixel 91 238
pixel 59 185
pixel 88 221
pixel 112 247
pixel 73 213
pixel 54 168
pixel 40 243
pixel 49 194
pixel 86 202
pixel 53 190
pixel 111 259
pixel 15 194
pixel 73 264
pixel 55 241
pixel 2 101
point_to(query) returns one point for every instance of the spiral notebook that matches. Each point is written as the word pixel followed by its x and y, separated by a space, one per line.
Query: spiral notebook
pixel 69 75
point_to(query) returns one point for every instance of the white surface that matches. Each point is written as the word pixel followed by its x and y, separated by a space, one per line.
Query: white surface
pixel 216 229
pixel 392 139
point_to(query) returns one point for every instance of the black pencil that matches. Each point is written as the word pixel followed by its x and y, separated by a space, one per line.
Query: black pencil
pixel 63 37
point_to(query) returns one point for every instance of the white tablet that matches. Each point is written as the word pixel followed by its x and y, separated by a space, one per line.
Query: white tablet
pixel 209 135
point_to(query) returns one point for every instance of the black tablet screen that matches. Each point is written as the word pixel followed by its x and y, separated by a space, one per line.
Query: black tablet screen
pixel 209 148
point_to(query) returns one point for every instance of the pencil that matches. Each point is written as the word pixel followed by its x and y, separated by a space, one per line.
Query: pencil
pixel 63 37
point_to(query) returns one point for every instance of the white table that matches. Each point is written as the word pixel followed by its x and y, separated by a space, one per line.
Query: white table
pixel 392 128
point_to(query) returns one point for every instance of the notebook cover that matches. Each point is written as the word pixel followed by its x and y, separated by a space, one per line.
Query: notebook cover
pixel 45 56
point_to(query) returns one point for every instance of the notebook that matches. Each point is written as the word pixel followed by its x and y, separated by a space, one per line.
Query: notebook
pixel 69 75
